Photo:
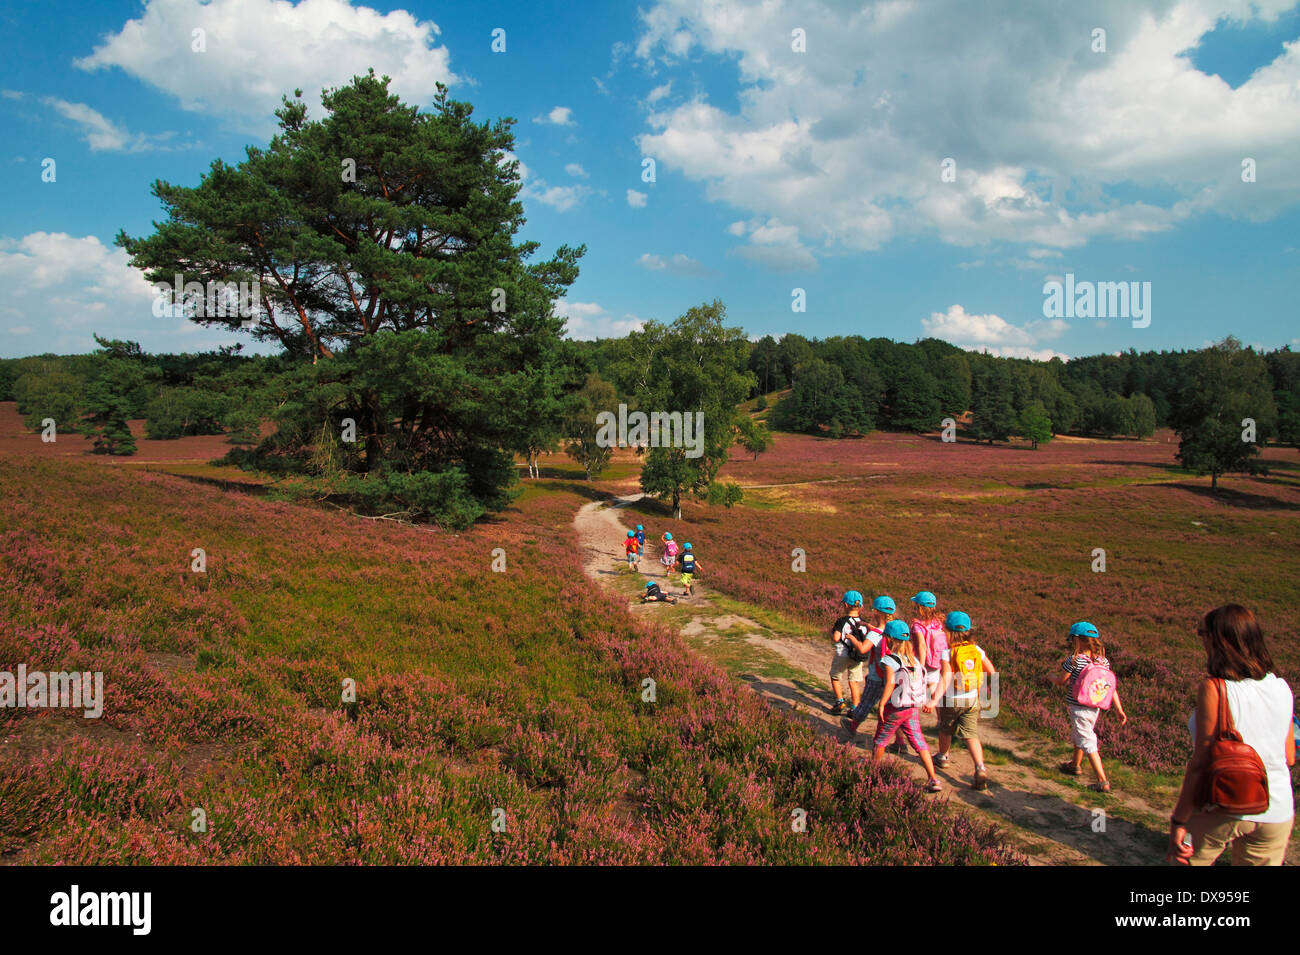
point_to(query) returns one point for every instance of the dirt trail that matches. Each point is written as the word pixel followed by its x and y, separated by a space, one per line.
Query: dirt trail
pixel 1047 816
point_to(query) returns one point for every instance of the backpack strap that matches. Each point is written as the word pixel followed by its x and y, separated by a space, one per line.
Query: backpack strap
pixel 1227 729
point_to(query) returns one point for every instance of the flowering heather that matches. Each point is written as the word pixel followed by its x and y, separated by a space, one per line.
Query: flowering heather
pixel 1008 535
pixel 480 696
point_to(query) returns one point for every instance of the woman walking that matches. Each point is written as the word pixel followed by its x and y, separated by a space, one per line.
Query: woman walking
pixel 1259 705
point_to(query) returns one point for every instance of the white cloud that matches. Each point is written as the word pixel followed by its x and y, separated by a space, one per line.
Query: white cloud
pixel 678 264
pixel 576 171
pixel 658 93
pixel 100 132
pixel 559 116
pixel 636 199
pixel 773 244
pixel 843 144
pixel 72 287
pixel 993 333
pixel 1020 351
pixel 559 198
pixel 589 320
pixel 259 50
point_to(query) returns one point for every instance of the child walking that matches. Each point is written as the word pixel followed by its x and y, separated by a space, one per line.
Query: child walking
pixel 640 537
pixel 846 664
pixel 871 649
pixel 669 556
pixel 1086 650
pixel 963 665
pixel 633 550
pixel 689 566
pixel 928 637
pixel 903 693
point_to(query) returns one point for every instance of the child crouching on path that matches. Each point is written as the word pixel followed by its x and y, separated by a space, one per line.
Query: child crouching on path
pixel 963 665
pixel 1086 651
pixel 903 693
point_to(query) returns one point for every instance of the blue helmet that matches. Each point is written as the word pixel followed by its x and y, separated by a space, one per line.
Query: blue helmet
pixel 957 622
pixel 687 546
pixel 649 584
pixel 640 528
pixel 631 533
pixel 852 598
pixel 896 630
pixel 668 536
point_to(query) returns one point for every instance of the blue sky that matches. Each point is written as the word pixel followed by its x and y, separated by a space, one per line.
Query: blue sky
pixel 776 168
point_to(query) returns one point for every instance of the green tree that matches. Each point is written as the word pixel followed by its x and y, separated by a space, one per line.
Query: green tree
pixel 1035 425
pixel 597 395
pixel 1142 415
pixel 1227 388
pixel 753 436
pixel 108 407
pixel 913 398
pixel 696 364
pixel 993 414
pixel 47 391
pixel 381 240
pixel 952 374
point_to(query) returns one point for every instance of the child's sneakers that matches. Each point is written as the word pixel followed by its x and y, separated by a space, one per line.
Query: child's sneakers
pixel 934 786
pixel 841 707
pixel 850 726
pixel 981 782
pixel 941 759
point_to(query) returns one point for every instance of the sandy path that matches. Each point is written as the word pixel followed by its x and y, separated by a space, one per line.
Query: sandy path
pixel 1047 816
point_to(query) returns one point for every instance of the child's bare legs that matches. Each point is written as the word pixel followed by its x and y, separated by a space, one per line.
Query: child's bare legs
pixel 945 744
pixel 976 751
pixel 878 753
pixel 1078 759
pixel 855 692
pixel 928 763
pixel 1094 758
pixel 835 688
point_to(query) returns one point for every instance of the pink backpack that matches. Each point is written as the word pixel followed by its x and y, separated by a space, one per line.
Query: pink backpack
pixel 936 641
pixel 1095 686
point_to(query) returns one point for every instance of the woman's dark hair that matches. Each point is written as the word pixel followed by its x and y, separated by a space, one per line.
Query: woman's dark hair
pixel 1234 644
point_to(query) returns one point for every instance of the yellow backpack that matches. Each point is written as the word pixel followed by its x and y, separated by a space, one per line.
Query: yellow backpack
pixel 967 667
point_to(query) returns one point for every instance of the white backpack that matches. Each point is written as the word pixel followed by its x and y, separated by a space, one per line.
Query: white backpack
pixel 909 686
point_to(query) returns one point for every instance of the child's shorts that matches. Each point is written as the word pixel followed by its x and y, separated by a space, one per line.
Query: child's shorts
pixel 686 579
pixel 1083 727
pixel 843 667
pixel 631 560
pixel 871 693
pixel 960 722
pixel 908 720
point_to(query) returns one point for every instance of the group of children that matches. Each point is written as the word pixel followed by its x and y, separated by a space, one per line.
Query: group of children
pixel 899 671
pixel 671 556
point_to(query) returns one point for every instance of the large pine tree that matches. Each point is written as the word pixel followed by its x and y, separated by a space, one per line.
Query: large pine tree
pixel 382 241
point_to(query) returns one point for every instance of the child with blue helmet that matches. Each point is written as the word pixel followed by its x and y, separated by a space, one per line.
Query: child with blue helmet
pixel 846 664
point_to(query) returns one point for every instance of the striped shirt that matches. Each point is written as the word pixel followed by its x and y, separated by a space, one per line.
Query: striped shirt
pixel 1076 665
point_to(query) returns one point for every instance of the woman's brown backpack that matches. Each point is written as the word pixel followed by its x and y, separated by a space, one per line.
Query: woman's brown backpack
pixel 1235 780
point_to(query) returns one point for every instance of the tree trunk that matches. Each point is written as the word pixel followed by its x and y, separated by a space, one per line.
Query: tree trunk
pixel 1214 480
pixel 677 504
